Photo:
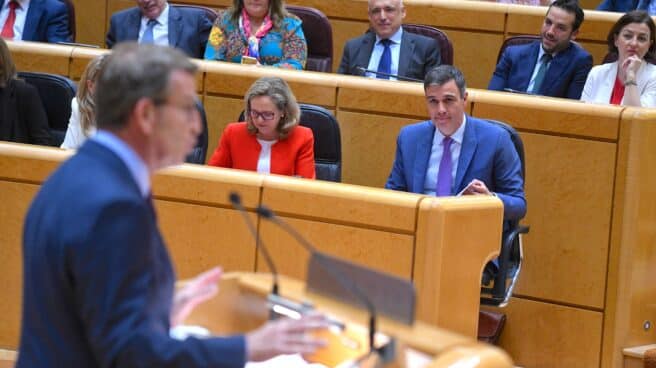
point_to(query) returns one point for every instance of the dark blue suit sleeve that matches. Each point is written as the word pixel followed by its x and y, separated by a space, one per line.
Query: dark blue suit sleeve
pixel 345 63
pixel 57 27
pixel 110 39
pixel 582 68
pixel 121 281
pixel 396 179
pixel 204 28
pixel 433 57
pixel 499 79
pixel 508 182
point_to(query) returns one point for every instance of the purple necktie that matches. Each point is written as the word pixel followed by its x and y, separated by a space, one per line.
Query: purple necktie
pixel 444 172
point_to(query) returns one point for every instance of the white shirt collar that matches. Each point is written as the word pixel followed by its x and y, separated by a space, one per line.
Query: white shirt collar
pixel 163 18
pixel 457 136
pixel 396 37
pixel 135 164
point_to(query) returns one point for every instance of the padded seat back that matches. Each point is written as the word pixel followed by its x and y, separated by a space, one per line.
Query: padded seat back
pixel 446 47
pixel 319 37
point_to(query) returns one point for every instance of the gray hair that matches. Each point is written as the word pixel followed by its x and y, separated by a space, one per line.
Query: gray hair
pixel 443 74
pixel 132 72
pixel 281 96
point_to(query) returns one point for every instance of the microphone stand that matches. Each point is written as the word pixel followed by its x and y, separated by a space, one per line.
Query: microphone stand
pixel 363 71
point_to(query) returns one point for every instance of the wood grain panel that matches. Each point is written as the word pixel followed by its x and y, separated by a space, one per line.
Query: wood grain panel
pixel 29 163
pixel 380 250
pixel 482 47
pixel 201 237
pixel 489 16
pixel 549 115
pixel 220 111
pixel 15 198
pixel 40 57
pixel 91 20
pixel 341 203
pixel 569 191
pixel 542 335
pixel 368 146
pixel 344 30
pixel 81 56
pixel 392 97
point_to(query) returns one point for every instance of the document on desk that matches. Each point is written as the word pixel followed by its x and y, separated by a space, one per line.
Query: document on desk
pixel 285 361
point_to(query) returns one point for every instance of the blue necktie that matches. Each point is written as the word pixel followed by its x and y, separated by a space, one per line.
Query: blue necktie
pixel 444 176
pixel 385 63
pixel 542 71
pixel 148 36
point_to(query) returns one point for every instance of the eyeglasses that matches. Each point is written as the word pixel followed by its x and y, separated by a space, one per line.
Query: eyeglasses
pixel 264 115
pixel 376 12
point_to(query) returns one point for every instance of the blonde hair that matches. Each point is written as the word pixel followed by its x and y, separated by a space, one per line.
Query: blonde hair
pixel 85 100
pixel 281 96
pixel 7 67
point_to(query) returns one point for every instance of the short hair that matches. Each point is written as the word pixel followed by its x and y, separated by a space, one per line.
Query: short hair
pixel 277 11
pixel 85 100
pixel 443 74
pixel 572 7
pixel 132 72
pixel 7 67
pixel 281 96
pixel 635 16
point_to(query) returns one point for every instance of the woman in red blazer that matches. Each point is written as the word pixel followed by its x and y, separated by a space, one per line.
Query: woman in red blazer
pixel 270 141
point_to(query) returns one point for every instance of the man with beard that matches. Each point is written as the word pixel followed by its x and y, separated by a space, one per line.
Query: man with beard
pixel 555 66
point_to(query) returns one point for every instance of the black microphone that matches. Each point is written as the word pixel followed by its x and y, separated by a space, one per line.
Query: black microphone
pixel 345 282
pixel 362 71
pixel 235 199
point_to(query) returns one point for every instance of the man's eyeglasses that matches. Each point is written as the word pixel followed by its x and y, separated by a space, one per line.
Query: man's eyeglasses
pixel 376 12
pixel 265 115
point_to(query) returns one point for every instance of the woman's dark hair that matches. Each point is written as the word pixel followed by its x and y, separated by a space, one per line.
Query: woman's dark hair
pixel 635 16
pixel 7 67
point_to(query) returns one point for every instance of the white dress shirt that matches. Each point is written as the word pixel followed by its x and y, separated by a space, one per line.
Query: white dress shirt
pixel 160 30
pixel 430 182
pixel 264 161
pixel 21 15
pixel 377 53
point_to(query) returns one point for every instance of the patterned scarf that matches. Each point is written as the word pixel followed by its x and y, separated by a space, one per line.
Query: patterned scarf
pixel 253 49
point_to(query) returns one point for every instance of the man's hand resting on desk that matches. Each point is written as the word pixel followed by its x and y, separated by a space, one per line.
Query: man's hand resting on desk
pixel 203 287
pixel 285 336
pixel 476 187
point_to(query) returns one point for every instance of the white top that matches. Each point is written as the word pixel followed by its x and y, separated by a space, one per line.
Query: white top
pixel 21 15
pixel 430 182
pixel 74 133
pixel 264 161
pixel 599 85
pixel 377 53
pixel 160 30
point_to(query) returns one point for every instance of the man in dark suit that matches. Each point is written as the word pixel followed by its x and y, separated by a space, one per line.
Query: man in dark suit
pixel 453 152
pixel 38 20
pixel 155 21
pixel 624 6
pixel 554 66
pixel 389 49
pixel 98 282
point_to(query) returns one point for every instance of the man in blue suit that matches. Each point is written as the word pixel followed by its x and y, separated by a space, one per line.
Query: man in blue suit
pixel 453 152
pixel 624 6
pixel 98 281
pixel 155 21
pixel 554 66
pixel 36 20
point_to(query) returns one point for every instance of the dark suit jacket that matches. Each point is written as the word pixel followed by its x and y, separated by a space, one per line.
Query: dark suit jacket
pixel 487 154
pixel 22 116
pixel 623 6
pixel 565 77
pixel 46 21
pixel 188 29
pixel 418 54
pixel 98 281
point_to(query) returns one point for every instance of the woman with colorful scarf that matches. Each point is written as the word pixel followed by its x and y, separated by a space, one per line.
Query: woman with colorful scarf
pixel 261 29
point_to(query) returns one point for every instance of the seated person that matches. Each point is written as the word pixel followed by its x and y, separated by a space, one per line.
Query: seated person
pixel 82 123
pixel 262 30
pixel 555 66
pixel 35 20
pixel 389 49
pixel 453 152
pixel 623 6
pixel 630 80
pixel 157 22
pixel 270 141
pixel 22 116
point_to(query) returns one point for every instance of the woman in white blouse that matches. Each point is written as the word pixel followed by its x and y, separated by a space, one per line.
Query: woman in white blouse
pixel 631 80
pixel 82 123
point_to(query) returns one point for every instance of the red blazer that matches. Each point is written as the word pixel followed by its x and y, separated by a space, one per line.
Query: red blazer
pixel 293 156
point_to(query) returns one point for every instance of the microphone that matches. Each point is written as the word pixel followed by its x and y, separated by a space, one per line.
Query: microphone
pixel 341 278
pixel 235 200
pixel 362 71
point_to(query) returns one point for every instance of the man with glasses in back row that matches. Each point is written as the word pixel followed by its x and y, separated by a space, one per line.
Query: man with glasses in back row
pixel 388 49
pixel 554 66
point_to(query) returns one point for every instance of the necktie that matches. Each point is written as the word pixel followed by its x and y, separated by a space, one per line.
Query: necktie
pixel 542 71
pixel 444 172
pixel 385 63
pixel 8 28
pixel 148 33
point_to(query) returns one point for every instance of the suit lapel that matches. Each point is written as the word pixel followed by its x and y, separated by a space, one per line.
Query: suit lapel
pixel 556 69
pixel 407 49
pixel 529 56
pixel 132 24
pixel 424 145
pixel 32 19
pixel 467 150
pixel 175 26
pixel 364 51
